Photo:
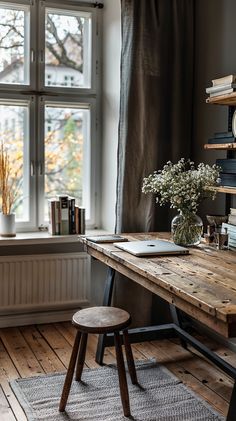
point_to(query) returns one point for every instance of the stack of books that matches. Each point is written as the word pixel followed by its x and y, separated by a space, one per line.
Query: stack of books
pixel 231 228
pixel 222 137
pixel 228 172
pixel 222 86
pixel 65 217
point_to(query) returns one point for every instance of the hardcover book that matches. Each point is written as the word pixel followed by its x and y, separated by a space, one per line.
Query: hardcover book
pixel 227 165
pixel 228 179
pixel 220 88
pixel 223 92
pixel 72 215
pixel 223 134
pixel 51 216
pixel 219 140
pixel 81 220
pixel 64 213
pixel 224 80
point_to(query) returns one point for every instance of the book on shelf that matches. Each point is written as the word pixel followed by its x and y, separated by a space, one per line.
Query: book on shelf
pixel 81 220
pixel 231 229
pixel 51 216
pixel 223 134
pixel 54 216
pixel 232 219
pixel 227 179
pixel 218 140
pixel 227 165
pixel 71 215
pixel 76 219
pixel 224 80
pixel 232 211
pixel 64 213
pixel 222 92
pixel 219 88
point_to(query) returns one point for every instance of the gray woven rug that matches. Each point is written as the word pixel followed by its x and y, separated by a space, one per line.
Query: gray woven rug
pixel 160 397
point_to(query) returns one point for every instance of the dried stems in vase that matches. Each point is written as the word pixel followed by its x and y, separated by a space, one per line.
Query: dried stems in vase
pixel 6 186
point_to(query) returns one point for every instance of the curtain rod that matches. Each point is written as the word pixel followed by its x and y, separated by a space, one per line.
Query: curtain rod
pixel 97 5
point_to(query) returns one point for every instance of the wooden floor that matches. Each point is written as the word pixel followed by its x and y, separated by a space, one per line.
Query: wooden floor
pixel 33 350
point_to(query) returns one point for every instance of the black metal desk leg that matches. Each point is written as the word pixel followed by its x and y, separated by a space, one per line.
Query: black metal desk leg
pixel 107 297
pixel 231 416
pixel 175 314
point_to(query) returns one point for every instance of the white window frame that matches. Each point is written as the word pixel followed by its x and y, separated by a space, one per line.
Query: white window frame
pixel 91 152
pixel 11 99
pixel 31 6
pixel 36 93
pixel 70 5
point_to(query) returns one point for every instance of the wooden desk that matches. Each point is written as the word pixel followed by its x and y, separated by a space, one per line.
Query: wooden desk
pixel 202 284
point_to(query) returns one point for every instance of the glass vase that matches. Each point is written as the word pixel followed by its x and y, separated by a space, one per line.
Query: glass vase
pixel 186 229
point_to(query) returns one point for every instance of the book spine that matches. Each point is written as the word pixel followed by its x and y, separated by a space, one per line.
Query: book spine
pixel 221 140
pixel 57 218
pixel 76 219
pixel 232 219
pixel 219 88
pixel 227 165
pixel 64 209
pixel 224 80
pixel 72 215
pixel 226 91
pixel 223 134
pixel 51 215
pixel 227 179
pixel 231 229
pixel 81 221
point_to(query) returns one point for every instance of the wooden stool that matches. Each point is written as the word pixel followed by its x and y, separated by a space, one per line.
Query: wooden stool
pixel 101 320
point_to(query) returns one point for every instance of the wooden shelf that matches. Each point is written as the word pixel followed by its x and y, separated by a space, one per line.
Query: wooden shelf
pixel 222 146
pixel 228 99
pixel 224 189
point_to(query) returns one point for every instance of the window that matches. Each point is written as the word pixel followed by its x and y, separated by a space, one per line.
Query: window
pixel 48 104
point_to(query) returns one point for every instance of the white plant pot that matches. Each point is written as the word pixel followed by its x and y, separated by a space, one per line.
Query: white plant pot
pixel 7 225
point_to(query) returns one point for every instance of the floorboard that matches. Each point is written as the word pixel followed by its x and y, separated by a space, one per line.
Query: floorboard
pixel 32 350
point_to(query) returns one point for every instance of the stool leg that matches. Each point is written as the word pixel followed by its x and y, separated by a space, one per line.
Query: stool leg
pixel 69 374
pixel 81 356
pixel 130 358
pixel 122 376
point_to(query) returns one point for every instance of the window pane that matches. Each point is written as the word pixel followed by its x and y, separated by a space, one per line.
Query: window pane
pixel 67 162
pixel 68 49
pixel 14 44
pixel 14 136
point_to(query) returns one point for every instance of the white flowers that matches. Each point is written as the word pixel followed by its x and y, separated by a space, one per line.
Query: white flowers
pixel 182 184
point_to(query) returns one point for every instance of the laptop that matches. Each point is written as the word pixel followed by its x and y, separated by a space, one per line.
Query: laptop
pixel 151 247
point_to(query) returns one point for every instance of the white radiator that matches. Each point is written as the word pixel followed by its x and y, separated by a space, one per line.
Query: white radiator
pixel 44 282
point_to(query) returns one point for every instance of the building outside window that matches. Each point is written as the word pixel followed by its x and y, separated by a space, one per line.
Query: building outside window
pixel 48 104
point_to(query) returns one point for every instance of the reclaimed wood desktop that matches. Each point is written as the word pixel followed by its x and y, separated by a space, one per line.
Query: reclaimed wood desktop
pixel 201 284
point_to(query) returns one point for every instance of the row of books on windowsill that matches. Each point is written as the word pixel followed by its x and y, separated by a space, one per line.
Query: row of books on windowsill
pixel 222 86
pixel 65 217
pixel 230 227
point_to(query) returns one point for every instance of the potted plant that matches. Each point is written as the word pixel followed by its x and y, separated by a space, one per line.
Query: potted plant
pixel 7 196
pixel 184 186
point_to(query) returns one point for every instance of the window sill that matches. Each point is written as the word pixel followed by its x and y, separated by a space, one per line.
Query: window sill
pixel 28 238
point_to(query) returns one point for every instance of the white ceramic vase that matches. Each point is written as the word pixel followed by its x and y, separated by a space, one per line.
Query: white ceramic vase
pixel 7 225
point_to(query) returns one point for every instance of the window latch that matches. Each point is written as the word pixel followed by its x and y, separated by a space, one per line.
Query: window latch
pixel 32 168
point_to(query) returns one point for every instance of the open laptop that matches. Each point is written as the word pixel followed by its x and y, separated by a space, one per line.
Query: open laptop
pixel 151 247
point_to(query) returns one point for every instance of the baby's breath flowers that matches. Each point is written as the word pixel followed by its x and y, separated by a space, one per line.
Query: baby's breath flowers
pixel 183 184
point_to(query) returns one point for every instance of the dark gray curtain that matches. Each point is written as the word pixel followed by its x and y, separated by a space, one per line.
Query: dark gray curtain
pixel 157 63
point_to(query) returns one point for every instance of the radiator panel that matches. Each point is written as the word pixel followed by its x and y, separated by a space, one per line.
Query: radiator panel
pixel 46 281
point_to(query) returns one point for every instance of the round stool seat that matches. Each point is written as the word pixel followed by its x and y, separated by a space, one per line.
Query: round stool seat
pixel 101 319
